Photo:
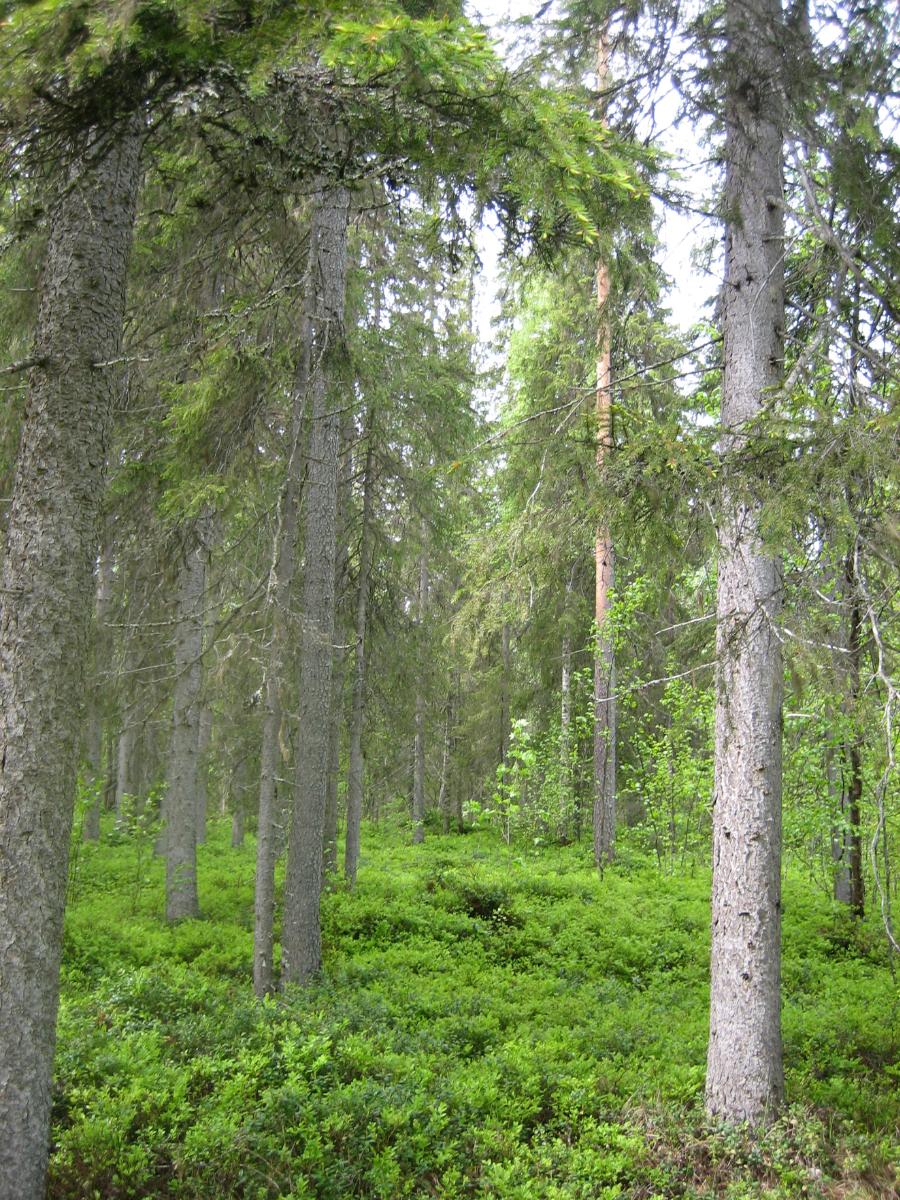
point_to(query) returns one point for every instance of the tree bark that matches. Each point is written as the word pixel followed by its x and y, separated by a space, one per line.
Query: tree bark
pixel 419 748
pixel 47 586
pixel 180 842
pixel 302 940
pixel 336 707
pixel 505 674
pixel 852 778
pixel 356 764
pixel 99 689
pixel 604 807
pixel 204 733
pixel 744 1069
pixel 281 577
pixel 444 789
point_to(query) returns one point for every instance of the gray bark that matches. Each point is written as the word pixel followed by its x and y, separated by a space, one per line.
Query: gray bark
pixel 418 798
pixel 124 761
pixel 96 704
pixel 604 809
pixel 356 764
pixel 744 1069
pixel 180 841
pixel 281 578
pixel 302 940
pixel 506 671
pixel 444 789
pixel 47 586
pixel 336 707
pixel 204 733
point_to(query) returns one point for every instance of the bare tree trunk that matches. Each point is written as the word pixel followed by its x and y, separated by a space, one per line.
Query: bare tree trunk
pixel 180 842
pixel 358 706
pixel 852 756
pixel 419 749
pixel 744 1079
pixel 840 857
pixel 204 732
pixel 506 672
pixel 302 940
pixel 281 577
pixel 124 754
pixel 444 790
pixel 99 689
pixel 336 707
pixel 604 808
pixel 335 719
pixel 46 587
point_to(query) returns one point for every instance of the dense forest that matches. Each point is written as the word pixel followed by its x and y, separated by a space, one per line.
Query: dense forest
pixel 448 694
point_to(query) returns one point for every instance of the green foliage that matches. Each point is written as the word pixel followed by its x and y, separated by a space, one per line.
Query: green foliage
pixel 491 1023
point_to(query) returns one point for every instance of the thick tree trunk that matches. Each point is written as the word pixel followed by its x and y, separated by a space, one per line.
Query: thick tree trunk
pixel 180 841
pixel 356 764
pixel 418 805
pixel 302 939
pixel 47 585
pixel 604 807
pixel 744 1071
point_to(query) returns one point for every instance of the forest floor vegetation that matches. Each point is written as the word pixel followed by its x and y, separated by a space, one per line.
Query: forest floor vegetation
pixel 491 1022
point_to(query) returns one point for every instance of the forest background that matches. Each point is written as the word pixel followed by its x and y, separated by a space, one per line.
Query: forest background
pixel 367 742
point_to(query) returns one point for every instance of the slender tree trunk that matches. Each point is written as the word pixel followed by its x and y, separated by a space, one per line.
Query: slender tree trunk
pixel 204 733
pixel 506 673
pixel 419 749
pixel 444 790
pixel 336 708
pixel 180 841
pixel 565 721
pixel 852 755
pixel 96 701
pixel 238 789
pixel 302 939
pixel 124 754
pixel 604 806
pixel 744 1070
pixel 356 764
pixel 47 585
pixel 840 856
pixel 335 719
pixel 281 578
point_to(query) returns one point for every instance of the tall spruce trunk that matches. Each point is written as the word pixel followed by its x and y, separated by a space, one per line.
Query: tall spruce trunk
pixel 96 701
pixel 301 956
pixel 356 765
pixel 47 592
pixel 851 759
pixel 418 798
pixel 281 578
pixel 604 806
pixel 744 1070
pixel 336 707
pixel 180 839
pixel 444 788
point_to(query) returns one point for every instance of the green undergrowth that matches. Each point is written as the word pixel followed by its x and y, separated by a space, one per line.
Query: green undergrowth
pixel 489 1024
